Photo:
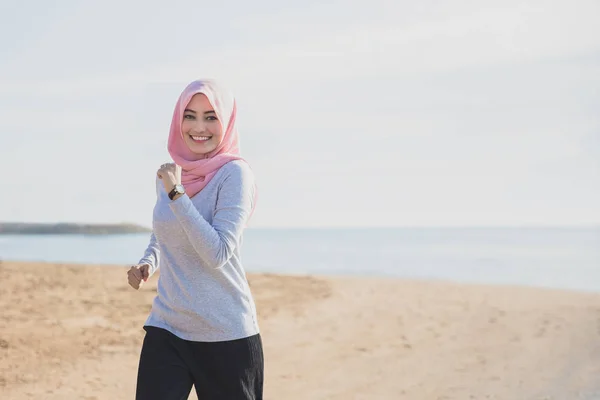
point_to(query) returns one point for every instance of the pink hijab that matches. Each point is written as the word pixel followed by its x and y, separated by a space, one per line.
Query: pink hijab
pixel 196 172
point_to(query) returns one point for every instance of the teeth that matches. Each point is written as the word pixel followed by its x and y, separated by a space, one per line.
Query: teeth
pixel 200 138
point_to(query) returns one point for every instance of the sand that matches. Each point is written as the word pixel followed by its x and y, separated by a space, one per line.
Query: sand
pixel 74 332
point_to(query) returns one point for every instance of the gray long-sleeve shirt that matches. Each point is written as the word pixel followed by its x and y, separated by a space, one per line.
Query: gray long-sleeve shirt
pixel 203 294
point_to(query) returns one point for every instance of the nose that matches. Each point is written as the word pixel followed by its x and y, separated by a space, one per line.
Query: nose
pixel 199 127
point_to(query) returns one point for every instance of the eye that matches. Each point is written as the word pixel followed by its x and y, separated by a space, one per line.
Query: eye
pixel 211 118
pixel 189 116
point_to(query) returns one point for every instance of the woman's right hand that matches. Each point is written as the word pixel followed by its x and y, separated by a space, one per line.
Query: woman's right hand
pixel 137 274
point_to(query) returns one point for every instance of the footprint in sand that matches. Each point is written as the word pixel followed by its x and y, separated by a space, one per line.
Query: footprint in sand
pixel 542 330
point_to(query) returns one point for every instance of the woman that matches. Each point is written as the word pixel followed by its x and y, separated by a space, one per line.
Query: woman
pixel 202 329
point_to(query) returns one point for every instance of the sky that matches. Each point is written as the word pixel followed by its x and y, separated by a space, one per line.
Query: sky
pixel 351 113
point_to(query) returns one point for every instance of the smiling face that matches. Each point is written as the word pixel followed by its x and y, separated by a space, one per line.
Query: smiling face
pixel 202 131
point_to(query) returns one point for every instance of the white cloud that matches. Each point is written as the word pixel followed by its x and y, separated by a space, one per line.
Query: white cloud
pixel 462 36
pixel 422 114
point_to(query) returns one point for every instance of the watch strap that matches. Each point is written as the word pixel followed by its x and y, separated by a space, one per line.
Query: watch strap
pixel 175 191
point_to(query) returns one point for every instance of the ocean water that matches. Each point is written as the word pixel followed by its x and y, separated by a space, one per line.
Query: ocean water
pixel 548 257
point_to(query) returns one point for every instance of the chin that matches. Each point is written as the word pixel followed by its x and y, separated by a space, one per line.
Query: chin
pixel 199 148
pixel 199 151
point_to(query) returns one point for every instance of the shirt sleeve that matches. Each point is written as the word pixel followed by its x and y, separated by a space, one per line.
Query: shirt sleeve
pixel 152 255
pixel 216 242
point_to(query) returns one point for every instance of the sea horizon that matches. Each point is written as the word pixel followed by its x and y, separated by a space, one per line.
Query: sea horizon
pixel 563 257
pixel 592 225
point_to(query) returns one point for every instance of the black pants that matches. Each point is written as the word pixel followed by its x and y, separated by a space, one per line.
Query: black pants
pixel 169 366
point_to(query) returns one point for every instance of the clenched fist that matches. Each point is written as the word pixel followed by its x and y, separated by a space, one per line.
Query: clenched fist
pixel 170 174
pixel 137 274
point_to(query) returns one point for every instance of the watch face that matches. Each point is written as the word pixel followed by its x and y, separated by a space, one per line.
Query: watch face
pixel 179 189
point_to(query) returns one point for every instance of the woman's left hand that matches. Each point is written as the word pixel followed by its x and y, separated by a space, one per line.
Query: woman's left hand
pixel 170 174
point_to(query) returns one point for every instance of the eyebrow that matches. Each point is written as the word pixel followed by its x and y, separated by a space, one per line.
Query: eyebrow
pixel 206 112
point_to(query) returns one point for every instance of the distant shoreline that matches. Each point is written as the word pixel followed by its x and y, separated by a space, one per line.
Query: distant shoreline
pixel 19 228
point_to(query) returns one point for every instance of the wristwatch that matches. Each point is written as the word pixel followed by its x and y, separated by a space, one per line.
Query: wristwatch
pixel 178 189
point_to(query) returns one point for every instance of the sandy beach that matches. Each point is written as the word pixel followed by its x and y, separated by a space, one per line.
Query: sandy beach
pixel 74 332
